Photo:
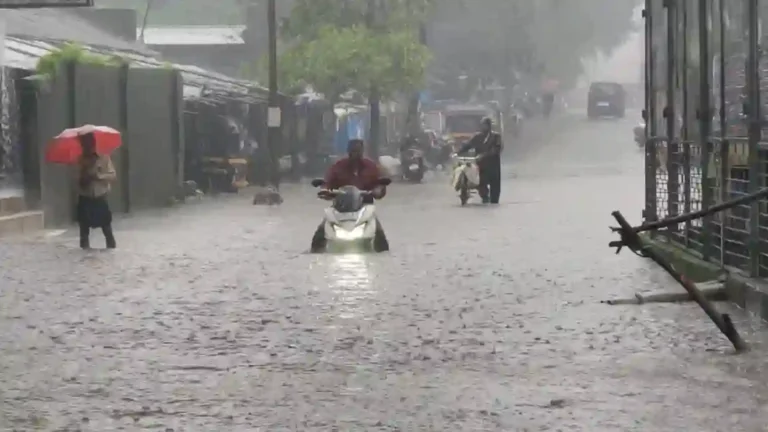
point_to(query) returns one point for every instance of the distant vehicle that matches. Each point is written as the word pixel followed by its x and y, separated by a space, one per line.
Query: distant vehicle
pixel 462 122
pixel 606 99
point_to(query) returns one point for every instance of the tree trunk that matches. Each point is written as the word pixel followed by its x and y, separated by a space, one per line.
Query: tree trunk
pixel 374 102
pixel 413 123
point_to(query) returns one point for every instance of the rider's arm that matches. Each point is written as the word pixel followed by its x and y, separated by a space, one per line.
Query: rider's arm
pixel 469 145
pixel 332 177
pixel 331 182
pixel 377 190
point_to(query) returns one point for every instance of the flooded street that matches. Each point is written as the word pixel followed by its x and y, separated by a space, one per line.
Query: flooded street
pixel 480 319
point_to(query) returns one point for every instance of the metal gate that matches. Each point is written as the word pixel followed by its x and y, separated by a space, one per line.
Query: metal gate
pixel 706 83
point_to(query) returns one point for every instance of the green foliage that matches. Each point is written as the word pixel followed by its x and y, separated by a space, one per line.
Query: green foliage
pixel 354 58
pixel 309 17
pixel 336 46
pixel 48 65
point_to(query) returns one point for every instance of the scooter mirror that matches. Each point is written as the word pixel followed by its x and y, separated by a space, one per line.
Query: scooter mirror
pixel 385 181
pixel 318 182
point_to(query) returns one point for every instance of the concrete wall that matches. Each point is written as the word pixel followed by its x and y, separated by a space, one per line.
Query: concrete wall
pixel 144 104
pixel 56 181
pixel 98 101
pixel 153 116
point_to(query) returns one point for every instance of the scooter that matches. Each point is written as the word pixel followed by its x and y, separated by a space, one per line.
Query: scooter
pixel 413 166
pixel 350 222
pixel 466 177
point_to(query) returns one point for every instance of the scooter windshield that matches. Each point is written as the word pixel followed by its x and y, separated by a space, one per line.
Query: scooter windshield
pixel 348 200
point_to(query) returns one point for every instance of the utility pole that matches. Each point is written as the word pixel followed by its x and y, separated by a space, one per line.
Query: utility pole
pixel 374 97
pixel 413 124
pixel 274 113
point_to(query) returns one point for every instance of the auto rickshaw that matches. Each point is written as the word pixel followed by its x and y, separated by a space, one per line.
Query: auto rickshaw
pixel 462 122
pixel 225 174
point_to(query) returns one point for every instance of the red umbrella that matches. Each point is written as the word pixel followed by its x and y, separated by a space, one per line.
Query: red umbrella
pixel 66 149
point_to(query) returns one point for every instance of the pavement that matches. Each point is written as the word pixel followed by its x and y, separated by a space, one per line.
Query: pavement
pixel 212 316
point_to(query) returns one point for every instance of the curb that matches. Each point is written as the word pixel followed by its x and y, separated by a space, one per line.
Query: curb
pixel 747 293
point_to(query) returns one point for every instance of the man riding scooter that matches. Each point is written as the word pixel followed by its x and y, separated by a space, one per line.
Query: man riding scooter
pixel 353 170
pixel 488 147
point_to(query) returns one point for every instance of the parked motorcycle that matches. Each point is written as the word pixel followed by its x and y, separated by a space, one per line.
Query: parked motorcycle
pixel 413 166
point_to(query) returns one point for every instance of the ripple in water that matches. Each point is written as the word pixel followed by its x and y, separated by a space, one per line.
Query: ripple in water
pixel 350 284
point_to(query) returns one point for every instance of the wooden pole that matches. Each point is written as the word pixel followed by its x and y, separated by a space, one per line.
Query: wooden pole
pixel 632 240
pixel 713 294
pixel 274 113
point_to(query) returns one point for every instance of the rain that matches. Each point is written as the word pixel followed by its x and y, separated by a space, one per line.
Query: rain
pixel 212 315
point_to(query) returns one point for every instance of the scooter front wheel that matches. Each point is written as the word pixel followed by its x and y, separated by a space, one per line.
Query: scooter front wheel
pixel 463 191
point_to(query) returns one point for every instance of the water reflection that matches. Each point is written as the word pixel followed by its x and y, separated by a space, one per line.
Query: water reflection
pixel 350 283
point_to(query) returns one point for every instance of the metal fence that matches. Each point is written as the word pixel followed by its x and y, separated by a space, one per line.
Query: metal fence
pixel 707 134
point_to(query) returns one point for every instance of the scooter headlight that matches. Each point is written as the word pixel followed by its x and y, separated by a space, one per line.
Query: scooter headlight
pixel 355 233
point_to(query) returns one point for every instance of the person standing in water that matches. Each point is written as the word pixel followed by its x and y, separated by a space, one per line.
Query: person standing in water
pixel 488 147
pixel 95 176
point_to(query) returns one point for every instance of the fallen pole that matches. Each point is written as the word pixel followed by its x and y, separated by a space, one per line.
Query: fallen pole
pixel 712 294
pixel 631 239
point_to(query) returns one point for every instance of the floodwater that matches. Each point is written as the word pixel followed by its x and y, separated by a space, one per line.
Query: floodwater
pixel 212 318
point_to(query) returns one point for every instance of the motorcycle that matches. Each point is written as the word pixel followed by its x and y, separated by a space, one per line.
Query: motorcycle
pixel 412 165
pixel 466 177
pixel 350 222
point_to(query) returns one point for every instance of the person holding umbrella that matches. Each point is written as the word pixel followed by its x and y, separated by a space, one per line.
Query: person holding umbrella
pixel 95 176
pixel 88 148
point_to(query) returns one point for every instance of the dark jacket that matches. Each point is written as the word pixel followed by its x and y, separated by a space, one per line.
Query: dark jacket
pixel 485 144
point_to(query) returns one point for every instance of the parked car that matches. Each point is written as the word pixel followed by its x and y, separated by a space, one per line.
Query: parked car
pixel 606 99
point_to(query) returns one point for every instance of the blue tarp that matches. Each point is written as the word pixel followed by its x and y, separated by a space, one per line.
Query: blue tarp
pixel 353 124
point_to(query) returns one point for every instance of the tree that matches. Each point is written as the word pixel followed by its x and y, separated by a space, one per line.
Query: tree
pixel 308 17
pixel 356 58
pixel 371 46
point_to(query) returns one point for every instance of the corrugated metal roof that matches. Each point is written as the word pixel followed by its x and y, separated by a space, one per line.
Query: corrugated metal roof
pixel 193 35
pixel 63 25
pixel 23 53
pixel 33 33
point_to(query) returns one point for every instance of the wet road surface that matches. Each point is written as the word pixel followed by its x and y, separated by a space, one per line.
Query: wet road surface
pixel 212 317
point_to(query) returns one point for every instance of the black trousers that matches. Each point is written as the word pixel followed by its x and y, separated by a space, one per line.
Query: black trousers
pixel 94 212
pixel 85 234
pixel 490 183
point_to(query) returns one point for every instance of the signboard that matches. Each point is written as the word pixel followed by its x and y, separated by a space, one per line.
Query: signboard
pixel 36 4
pixel 274 117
